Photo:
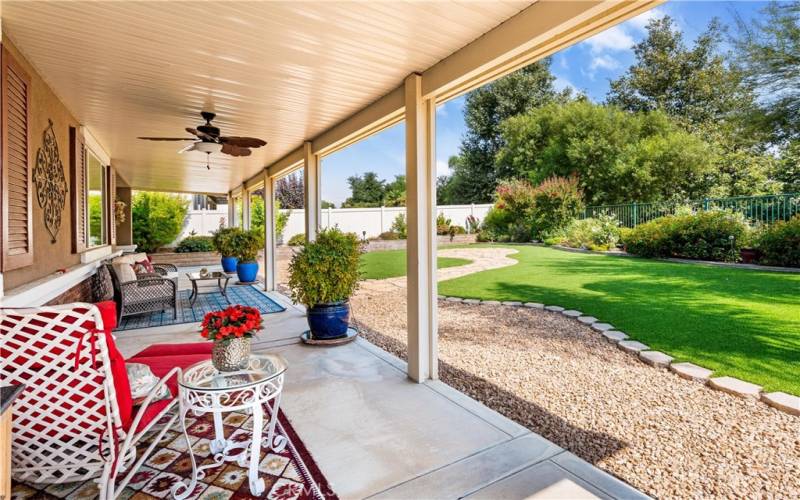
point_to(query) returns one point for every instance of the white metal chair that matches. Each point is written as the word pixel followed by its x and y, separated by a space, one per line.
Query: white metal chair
pixel 67 424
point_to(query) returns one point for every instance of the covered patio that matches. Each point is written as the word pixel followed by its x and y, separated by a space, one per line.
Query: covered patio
pixel 311 79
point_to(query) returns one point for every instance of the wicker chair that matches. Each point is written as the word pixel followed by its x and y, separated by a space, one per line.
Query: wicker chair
pixel 150 292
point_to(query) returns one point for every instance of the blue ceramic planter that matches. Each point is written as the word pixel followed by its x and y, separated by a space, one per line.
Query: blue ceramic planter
pixel 247 271
pixel 329 321
pixel 229 264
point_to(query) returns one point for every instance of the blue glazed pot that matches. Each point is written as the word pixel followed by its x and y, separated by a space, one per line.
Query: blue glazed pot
pixel 229 264
pixel 247 271
pixel 329 321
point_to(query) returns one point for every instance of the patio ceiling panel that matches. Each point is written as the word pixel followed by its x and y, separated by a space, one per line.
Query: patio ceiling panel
pixel 281 71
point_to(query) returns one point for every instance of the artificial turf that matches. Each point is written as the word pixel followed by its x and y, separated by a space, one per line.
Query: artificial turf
pixel 737 322
pixel 392 263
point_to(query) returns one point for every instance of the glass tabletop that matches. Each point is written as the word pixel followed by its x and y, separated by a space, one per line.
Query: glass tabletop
pixel 261 368
pixel 214 275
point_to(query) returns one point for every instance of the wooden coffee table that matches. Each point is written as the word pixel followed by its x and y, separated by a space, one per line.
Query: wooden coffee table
pixel 220 277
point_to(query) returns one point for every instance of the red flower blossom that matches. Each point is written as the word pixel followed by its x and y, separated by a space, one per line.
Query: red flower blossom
pixel 235 321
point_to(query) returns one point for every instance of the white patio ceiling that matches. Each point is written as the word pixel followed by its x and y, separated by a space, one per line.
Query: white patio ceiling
pixel 281 71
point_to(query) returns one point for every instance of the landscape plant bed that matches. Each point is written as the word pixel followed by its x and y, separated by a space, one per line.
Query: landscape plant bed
pixel 669 437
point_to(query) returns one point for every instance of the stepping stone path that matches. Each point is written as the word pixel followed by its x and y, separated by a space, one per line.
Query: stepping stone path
pixel 454 299
pixel 736 387
pixel 602 327
pixel 782 401
pixel 656 358
pixel 472 301
pixel 632 346
pixel 557 309
pixel 441 297
pixel 511 303
pixel 691 371
pixel 491 302
pixel 572 313
pixel 534 305
pixel 614 335
pixel 588 320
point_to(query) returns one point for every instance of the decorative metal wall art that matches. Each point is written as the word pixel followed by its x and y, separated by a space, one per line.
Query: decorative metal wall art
pixel 51 186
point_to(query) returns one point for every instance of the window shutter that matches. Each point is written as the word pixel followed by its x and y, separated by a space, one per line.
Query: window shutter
pixel 77 176
pixel 17 209
pixel 112 200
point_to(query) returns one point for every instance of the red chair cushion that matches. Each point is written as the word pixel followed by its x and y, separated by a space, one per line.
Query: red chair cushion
pixel 122 386
pixel 175 349
pixel 160 366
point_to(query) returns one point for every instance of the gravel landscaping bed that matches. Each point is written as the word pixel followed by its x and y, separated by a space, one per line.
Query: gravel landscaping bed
pixel 665 435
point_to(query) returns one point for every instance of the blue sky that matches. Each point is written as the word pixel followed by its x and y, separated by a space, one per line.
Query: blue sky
pixel 587 66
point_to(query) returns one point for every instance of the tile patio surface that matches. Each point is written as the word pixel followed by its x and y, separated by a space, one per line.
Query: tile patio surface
pixel 374 433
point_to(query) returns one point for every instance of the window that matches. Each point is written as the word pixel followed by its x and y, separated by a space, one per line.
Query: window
pixel 96 199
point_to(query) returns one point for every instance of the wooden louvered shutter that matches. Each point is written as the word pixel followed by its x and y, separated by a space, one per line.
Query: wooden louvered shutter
pixel 112 200
pixel 77 176
pixel 17 209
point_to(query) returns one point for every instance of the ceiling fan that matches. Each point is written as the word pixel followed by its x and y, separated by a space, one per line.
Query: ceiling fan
pixel 208 140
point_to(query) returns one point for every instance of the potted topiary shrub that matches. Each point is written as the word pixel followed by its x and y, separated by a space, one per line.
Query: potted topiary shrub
pixel 222 241
pixel 323 276
pixel 247 245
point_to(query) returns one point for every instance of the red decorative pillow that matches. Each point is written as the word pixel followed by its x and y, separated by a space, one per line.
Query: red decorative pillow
pixel 143 266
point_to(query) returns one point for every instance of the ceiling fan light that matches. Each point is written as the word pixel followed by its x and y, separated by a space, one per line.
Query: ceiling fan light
pixel 208 147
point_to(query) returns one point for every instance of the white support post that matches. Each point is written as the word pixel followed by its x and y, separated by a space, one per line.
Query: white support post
pixel 245 208
pixel 311 191
pixel 231 211
pixel 421 255
pixel 269 233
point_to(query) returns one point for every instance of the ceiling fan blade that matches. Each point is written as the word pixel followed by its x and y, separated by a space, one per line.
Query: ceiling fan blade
pixel 235 150
pixel 243 142
pixel 201 134
pixel 189 147
pixel 168 138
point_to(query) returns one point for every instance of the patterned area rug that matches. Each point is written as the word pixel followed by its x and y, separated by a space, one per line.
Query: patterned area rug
pixel 289 475
pixel 206 302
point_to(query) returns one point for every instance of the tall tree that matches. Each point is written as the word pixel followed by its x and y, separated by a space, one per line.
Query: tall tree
pixel 366 191
pixel 474 176
pixel 768 52
pixel 290 192
pixel 695 84
pixel 394 194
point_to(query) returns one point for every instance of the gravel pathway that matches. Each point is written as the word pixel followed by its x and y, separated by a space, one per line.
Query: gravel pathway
pixel 667 436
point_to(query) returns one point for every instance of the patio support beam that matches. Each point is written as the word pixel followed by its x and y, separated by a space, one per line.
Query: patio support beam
pixel 420 116
pixel 311 191
pixel 269 232
pixel 245 208
pixel 231 211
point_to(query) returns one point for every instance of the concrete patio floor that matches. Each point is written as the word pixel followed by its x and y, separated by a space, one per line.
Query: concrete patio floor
pixel 374 433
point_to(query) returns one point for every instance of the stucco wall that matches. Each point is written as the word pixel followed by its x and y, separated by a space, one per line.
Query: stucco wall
pixel 48 257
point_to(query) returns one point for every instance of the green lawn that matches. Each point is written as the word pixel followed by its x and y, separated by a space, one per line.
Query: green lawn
pixel 392 263
pixel 737 322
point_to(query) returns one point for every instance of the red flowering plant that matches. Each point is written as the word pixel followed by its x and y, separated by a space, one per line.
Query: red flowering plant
pixel 234 322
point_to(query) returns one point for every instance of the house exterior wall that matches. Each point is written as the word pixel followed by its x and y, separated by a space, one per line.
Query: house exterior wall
pixel 125 229
pixel 48 257
pixel 82 292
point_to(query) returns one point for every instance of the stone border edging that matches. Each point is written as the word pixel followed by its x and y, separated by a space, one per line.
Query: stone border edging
pixel 782 401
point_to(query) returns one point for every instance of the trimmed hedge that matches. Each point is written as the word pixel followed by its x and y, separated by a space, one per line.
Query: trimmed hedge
pixel 297 240
pixel 195 244
pixel 713 235
pixel 779 243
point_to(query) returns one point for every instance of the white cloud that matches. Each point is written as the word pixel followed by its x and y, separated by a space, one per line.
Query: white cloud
pixel 442 168
pixel 441 110
pixel 603 62
pixel 562 83
pixel 613 39
pixel 640 22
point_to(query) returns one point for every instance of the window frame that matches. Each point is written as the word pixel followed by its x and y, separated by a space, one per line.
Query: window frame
pixel 104 200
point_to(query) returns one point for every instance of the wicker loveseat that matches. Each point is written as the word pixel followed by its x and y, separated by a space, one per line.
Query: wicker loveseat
pixel 143 292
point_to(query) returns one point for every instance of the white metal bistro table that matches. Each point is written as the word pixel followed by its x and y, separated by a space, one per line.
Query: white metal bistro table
pixel 203 389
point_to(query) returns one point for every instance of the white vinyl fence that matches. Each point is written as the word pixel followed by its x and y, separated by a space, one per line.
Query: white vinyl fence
pixel 373 221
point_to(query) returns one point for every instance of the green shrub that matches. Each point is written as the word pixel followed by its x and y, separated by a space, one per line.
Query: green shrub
pixel 222 241
pixel 713 235
pixel 556 202
pixel 327 269
pixel 247 244
pixel 485 236
pixel 400 227
pixel 195 244
pixel 297 240
pixel 473 224
pixel 458 229
pixel 157 219
pixel 779 243
pixel 389 235
pixel 442 224
pixel 601 233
